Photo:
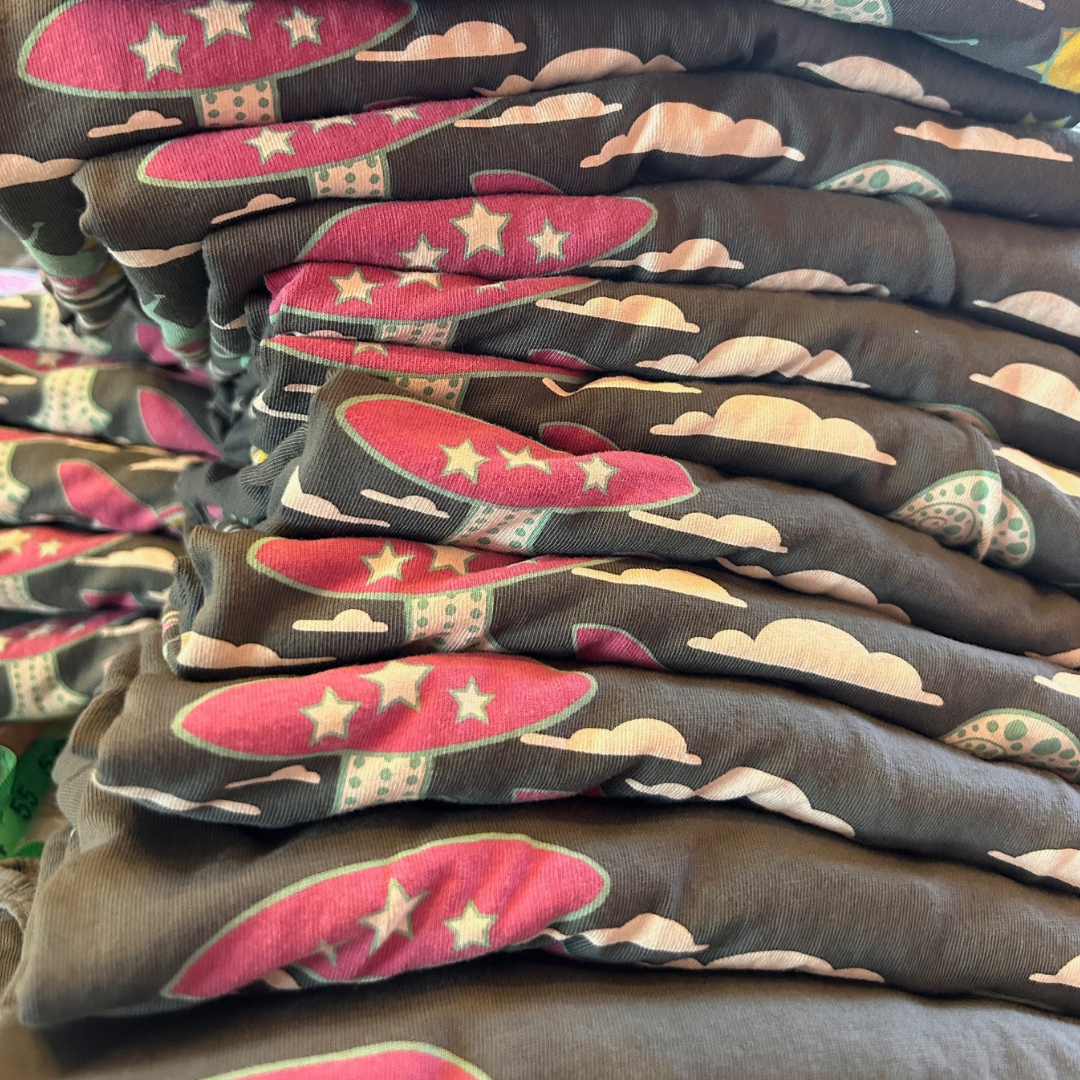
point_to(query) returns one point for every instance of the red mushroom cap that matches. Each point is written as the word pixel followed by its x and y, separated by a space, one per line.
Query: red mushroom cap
pixel 187 53
pixel 448 900
pixel 264 718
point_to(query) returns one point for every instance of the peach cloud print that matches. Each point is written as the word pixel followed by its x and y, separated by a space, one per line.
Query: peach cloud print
pixel 819 648
pixel 779 422
pixel 1060 863
pixel 736 530
pixel 463 39
pixel 679 127
pixel 1064 682
pixel 874 76
pixel 761 788
pixel 1037 306
pixel 1066 975
pixel 199 651
pixel 143 120
pixel 349 621
pixel 1066 482
pixel 677 581
pixel 807 280
pixel 550 110
pixel 637 310
pixel 17 169
pixel 689 255
pixel 643 737
pixel 754 355
pixel 778 960
pixel 821 583
pixel 622 382
pixel 1036 385
pixel 986 139
pixel 648 931
pixel 579 66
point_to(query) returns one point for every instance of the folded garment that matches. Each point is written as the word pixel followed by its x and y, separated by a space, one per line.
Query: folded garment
pixel 368 896
pixel 1016 389
pixel 47 478
pixel 245 604
pixel 1017 274
pixel 890 459
pixel 482 729
pixel 48 569
pixel 531 1016
pixel 258 67
pixel 120 403
pixel 18 878
pixel 51 668
pixel 153 209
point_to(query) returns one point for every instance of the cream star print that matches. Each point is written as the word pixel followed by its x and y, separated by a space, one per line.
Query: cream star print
pixel 354 287
pixel 13 540
pixel 270 142
pixel 329 951
pixel 523 458
pixel 400 113
pixel 394 918
pixel 318 126
pixel 330 716
pixel 48 548
pixel 549 242
pixel 451 558
pixel 419 277
pixel 387 564
pixel 399 682
pixel 482 229
pixel 471 703
pixel 463 459
pixel 423 256
pixel 159 51
pixel 220 17
pixel 301 27
pixel 598 473
pixel 471 928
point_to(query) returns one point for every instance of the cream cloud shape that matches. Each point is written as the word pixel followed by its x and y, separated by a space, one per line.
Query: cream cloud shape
pixel 136 627
pixel 1066 975
pixel 1035 384
pixel 1064 682
pixel 349 621
pixel 16 302
pixel 255 205
pixel 807 280
pixel 779 421
pixel 142 120
pixel 140 558
pixel 680 127
pixel 580 66
pixel 1066 482
pixel 622 382
pixel 821 583
pixel 578 106
pixel 753 355
pixel 982 138
pixel 258 404
pixel 874 76
pixel 29 380
pixel 473 38
pixel 648 931
pixel 689 255
pixel 1060 863
pixel 638 310
pixel 761 788
pixel 175 463
pixel 1068 659
pixel 1037 306
pixel 297 773
pixel 174 803
pixel 295 498
pixel 819 648
pixel 199 651
pixel 16 169
pixel 737 530
pixel 418 504
pixel 643 737
pixel 156 256
pixel 677 581
pixel 778 960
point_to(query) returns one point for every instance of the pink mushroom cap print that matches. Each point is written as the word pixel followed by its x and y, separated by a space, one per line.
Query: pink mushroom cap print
pixel 224 55
pixel 449 900
pixel 461 702
pixel 382 1061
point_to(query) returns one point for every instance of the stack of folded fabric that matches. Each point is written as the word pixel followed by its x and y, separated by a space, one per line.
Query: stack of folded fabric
pixel 629 468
